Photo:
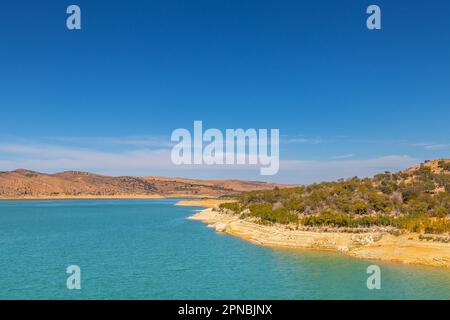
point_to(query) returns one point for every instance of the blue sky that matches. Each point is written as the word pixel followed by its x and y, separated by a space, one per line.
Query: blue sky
pixel 347 100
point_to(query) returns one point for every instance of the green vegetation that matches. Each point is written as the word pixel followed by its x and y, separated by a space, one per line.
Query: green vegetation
pixel 415 200
pixel 444 165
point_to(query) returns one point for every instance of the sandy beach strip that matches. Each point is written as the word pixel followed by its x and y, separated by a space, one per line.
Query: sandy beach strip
pixel 377 246
pixel 124 197
pixel 206 203
pixel 84 197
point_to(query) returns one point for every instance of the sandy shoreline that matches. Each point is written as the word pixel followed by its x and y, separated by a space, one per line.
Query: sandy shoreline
pixel 404 249
pixel 95 197
pixel 87 197
pixel 206 203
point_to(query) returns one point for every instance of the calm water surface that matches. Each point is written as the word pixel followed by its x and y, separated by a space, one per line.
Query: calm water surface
pixel 146 249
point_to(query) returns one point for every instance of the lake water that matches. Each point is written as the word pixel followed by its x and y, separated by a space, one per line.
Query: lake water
pixel 147 249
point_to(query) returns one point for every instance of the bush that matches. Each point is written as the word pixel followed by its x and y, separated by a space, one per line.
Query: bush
pixel 233 206
pixel 265 213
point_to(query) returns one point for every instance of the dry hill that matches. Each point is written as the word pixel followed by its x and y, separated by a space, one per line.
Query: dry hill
pixel 23 183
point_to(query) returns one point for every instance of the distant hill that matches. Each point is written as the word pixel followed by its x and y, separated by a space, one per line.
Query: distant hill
pixel 416 199
pixel 23 183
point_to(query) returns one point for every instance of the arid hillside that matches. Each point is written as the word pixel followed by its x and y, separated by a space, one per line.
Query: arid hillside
pixel 23 183
pixel 416 200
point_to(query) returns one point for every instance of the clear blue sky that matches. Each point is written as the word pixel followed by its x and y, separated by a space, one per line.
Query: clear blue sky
pixel 343 97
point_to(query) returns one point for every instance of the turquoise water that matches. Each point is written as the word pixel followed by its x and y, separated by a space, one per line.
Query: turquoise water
pixel 147 249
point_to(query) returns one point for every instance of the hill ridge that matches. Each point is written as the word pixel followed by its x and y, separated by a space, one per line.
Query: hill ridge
pixel 24 183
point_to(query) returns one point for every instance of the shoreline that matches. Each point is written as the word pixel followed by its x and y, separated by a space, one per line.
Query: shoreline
pixel 406 249
pixel 87 197
pixel 205 203
pixel 106 197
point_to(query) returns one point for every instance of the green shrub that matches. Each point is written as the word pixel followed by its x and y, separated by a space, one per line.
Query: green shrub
pixel 233 206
